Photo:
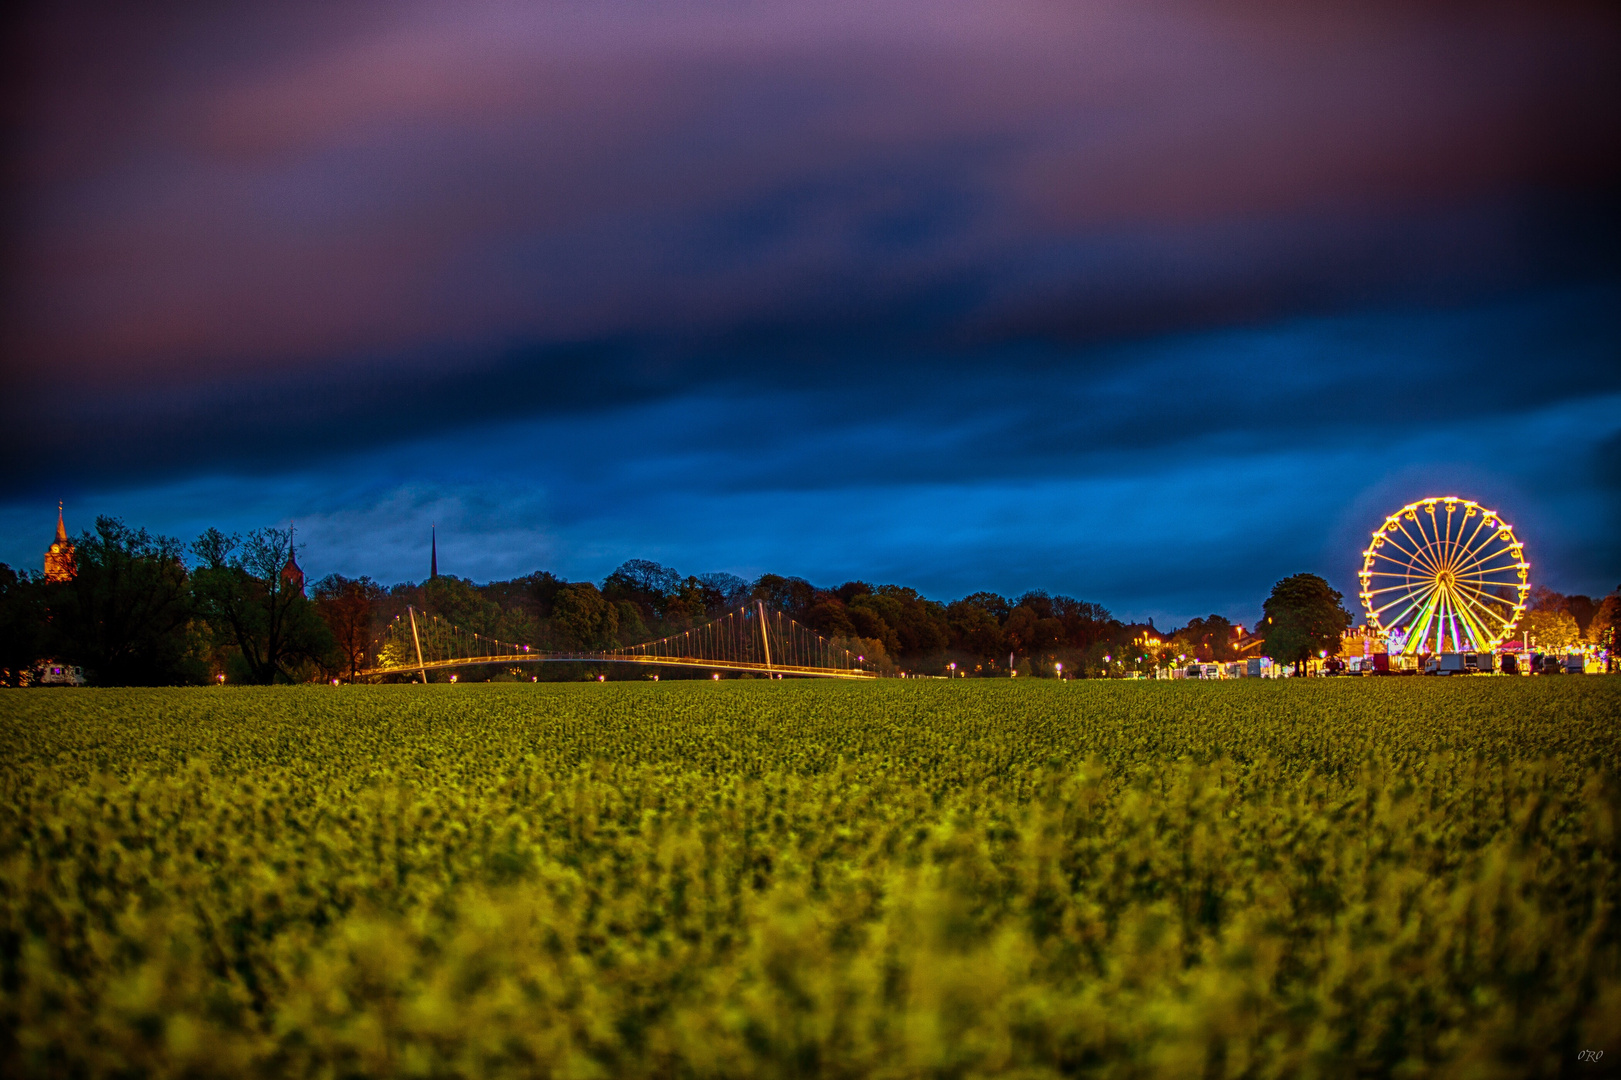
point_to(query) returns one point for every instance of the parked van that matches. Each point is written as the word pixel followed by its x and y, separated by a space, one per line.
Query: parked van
pixel 1448 663
pixel 57 674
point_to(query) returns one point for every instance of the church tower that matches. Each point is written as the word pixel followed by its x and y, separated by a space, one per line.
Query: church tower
pixel 59 561
pixel 292 578
pixel 433 553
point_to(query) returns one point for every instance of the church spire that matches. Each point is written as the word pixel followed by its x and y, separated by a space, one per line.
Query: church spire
pixel 433 557
pixel 59 560
pixel 292 576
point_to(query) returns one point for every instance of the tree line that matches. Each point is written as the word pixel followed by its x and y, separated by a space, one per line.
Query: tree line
pixel 144 609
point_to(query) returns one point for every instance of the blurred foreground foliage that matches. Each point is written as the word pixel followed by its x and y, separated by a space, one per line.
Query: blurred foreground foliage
pixel 1251 879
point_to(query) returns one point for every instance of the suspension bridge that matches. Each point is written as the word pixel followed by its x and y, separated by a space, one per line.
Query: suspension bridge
pixel 746 639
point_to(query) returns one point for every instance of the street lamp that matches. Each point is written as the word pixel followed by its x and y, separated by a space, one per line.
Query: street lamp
pixel 1060 667
pixel 953 667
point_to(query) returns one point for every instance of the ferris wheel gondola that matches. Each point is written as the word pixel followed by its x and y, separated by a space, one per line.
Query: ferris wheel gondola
pixel 1444 575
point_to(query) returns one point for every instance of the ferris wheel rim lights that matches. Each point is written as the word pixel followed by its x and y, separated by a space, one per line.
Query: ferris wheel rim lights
pixel 1452 586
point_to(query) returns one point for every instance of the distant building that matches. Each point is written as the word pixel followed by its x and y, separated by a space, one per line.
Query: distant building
pixel 59 559
pixel 433 557
pixel 1362 641
pixel 1248 643
pixel 292 578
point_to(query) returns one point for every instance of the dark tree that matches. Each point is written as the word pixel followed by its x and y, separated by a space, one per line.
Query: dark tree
pixel 348 606
pixel 1212 638
pixel 1086 624
pixel 124 615
pixel 974 630
pixel 1303 617
pixel 791 595
pixel 688 605
pixel 631 629
pixel 850 590
pixel 242 592
pixel 642 582
pixel 1605 628
pixel 830 618
pixel 1582 609
pixel 920 626
pixel 462 604
pixel 22 625
pixel 996 606
pixel 1029 633
pixel 723 592
pixel 583 620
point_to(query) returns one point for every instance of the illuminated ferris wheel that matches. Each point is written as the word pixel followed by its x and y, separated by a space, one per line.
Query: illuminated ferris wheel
pixel 1444 575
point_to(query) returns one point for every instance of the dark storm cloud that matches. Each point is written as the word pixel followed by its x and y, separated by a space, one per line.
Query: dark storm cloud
pixel 247 231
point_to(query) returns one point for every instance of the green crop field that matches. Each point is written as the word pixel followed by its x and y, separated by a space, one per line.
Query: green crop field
pixel 1336 878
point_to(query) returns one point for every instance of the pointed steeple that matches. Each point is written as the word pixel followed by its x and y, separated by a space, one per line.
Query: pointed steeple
pixel 59 560
pixel 291 576
pixel 433 557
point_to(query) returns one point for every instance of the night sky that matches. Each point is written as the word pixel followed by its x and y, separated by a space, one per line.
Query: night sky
pixel 1149 303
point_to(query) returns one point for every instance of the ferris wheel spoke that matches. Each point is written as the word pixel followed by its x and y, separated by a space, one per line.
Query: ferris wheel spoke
pixel 1480 588
pixel 1441 542
pixel 1421 625
pixel 1420 552
pixel 1390 539
pixel 1454 617
pixel 1481 524
pixel 1486 581
pixel 1475 556
pixel 1406 586
pixel 1415 556
pixel 1432 546
pixel 1492 571
pixel 1453 623
pixel 1440 621
pixel 1415 595
pixel 1498 581
pixel 1448 621
pixel 1494 623
pixel 1477 635
pixel 1483 600
pixel 1407 559
pixel 1420 603
pixel 1463 543
pixel 1478 620
pixel 1446 544
pixel 1462 551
